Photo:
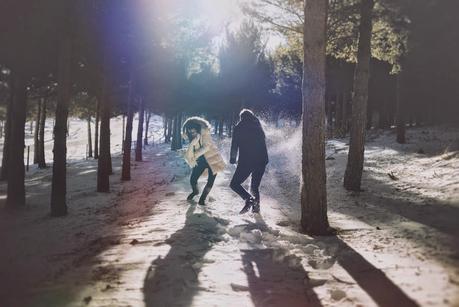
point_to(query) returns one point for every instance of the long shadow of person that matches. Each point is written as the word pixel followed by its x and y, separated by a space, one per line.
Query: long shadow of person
pixel 275 277
pixel 173 280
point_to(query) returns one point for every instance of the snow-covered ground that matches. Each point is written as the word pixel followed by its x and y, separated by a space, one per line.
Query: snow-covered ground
pixel 144 245
pixel 77 139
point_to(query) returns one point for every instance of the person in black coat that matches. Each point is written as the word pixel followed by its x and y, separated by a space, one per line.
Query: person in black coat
pixel 249 140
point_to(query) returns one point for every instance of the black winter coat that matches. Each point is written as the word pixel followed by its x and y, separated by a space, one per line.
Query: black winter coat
pixel 249 140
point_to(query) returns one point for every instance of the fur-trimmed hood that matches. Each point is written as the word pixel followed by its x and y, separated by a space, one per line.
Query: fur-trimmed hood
pixel 205 125
pixel 198 120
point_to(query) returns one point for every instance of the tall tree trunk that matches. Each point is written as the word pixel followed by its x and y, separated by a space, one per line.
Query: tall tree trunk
pixel 179 130
pixel 109 146
pixel 103 164
pixel 314 218
pixel 216 126
pixel 147 125
pixel 230 127
pixel 354 167
pixel 174 133
pixel 165 127
pixel 126 169
pixel 220 127
pixel 96 130
pixel 15 163
pixel 345 120
pixel 400 114
pixel 339 115
pixel 6 141
pixel 176 143
pixel 123 131
pixel 89 137
pixel 138 147
pixel 59 182
pixel 41 138
pixel 37 129
pixel 169 130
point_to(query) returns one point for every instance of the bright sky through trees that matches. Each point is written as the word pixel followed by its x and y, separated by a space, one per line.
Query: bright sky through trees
pixel 215 14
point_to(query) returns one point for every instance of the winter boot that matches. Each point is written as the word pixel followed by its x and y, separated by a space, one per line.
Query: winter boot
pixel 194 193
pixel 202 199
pixel 248 204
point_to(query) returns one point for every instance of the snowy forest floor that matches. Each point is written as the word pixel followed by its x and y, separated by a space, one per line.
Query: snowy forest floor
pixel 145 245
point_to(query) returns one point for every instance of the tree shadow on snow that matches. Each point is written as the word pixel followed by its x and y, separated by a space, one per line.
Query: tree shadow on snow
pixel 378 208
pixel 433 213
pixel 173 280
pixel 380 204
pixel 64 249
pixel 277 277
pixel 372 280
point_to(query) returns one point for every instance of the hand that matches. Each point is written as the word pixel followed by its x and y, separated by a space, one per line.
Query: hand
pixel 232 161
pixel 193 163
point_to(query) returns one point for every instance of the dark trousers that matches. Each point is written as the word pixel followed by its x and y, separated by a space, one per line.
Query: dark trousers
pixel 243 172
pixel 197 172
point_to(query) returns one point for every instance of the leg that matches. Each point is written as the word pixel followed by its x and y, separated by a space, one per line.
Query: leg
pixel 208 187
pixel 240 175
pixel 195 174
pixel 254 186
pixel 256 180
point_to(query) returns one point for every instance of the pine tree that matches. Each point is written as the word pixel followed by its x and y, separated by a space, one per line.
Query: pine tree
pixel 354 167
pixel 96 129
pixel 59 182
pixel 7 131
pixel 147 126
pixel 126 169
pixel 104 162
pixel 15 161
pixel 41 135
pixel 314 218
pixel 36 133
pixel 138 148
pixel 89 137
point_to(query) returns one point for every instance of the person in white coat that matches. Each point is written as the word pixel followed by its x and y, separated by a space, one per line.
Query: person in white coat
pixel 201 155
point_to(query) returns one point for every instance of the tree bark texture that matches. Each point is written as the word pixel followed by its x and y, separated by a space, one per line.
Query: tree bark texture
pixel 138 147
pixel 354 167
pixel 314 218
pixel 15 163
pixel 59 182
